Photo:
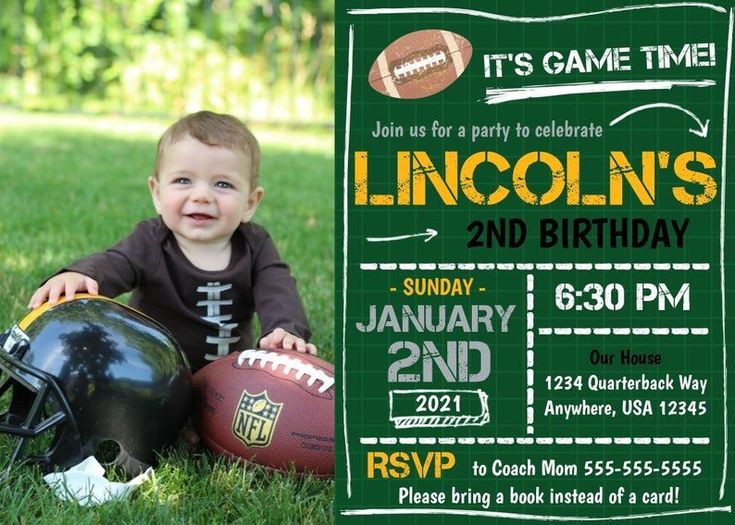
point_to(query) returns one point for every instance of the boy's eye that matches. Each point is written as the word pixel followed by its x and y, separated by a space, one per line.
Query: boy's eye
pixel 224 185
pixel 181 180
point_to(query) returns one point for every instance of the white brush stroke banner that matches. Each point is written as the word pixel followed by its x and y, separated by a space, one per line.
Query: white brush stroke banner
pixel 498 96
pixel 527 19
pixel 528 517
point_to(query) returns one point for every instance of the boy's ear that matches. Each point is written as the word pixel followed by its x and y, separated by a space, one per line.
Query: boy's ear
pixel 153 186
pixel 253 200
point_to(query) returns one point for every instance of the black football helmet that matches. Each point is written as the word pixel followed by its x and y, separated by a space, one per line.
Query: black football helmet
pixel 90 371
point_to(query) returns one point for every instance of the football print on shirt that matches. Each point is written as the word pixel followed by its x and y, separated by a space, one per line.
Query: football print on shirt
pixel 214 303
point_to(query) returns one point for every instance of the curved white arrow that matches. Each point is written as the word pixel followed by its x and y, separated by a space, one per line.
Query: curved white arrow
pixel 702 131
pixel 429 234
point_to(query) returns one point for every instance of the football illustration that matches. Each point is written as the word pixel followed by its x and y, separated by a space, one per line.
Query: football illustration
pixel 420 64
pixel 275 408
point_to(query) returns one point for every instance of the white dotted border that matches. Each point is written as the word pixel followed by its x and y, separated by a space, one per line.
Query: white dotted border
pixel 623 331
pixel 530 414
pixel 682 267
pixel 535 441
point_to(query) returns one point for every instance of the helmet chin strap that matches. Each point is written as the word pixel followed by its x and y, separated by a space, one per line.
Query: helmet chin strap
pixel 132 466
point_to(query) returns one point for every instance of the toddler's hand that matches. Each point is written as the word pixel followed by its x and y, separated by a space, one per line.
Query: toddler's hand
pixel 281 339
pixel 68 283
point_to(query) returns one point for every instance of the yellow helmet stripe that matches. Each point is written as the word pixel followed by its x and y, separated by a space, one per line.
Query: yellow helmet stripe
pixel 34 314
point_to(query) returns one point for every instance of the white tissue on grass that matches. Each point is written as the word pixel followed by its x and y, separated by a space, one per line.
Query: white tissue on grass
pixel 86 483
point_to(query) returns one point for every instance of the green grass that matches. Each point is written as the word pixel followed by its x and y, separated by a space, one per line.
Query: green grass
pixel 73 185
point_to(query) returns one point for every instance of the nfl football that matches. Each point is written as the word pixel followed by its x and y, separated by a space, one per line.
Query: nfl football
pixel 275 408
pixel 420 64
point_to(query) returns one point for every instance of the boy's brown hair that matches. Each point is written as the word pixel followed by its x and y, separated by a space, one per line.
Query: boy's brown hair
pixel 213 129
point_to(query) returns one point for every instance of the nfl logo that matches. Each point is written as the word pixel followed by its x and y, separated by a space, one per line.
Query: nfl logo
pixel 255 419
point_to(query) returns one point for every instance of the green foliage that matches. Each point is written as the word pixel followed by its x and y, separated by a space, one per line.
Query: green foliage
pixel 270 59
pixel 185 488
pixel 75 184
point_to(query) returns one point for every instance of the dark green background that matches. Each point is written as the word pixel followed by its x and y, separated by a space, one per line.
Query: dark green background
pixel 364 356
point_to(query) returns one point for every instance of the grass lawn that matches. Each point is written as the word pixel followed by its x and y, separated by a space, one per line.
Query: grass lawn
pixel 73 185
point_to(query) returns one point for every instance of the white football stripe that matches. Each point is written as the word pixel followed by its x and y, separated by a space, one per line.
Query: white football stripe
pixel 454 52
pixel 264 357
pixel 385 74
pixel 419 65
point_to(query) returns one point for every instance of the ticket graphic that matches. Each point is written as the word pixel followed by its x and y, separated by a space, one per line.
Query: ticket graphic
pixel 534 261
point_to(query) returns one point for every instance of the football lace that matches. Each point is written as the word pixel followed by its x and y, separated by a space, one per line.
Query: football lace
pixel 264 358
pixel 419 65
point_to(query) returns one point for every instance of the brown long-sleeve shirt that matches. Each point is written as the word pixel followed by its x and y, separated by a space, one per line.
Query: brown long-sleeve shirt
pixel 209 313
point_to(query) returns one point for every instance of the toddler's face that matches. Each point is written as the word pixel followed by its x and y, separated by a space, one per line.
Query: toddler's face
pixel 203 192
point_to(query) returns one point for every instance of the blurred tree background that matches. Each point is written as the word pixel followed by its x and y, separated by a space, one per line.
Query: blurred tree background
pixel 263 60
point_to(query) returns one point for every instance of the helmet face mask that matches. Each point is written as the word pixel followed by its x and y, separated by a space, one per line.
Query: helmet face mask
pixel 37 409
pixel 87 372
pixel 27 423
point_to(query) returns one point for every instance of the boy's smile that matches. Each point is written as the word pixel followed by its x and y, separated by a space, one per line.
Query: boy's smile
pixel 200 217
pixel 200 220
pixel 203 192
